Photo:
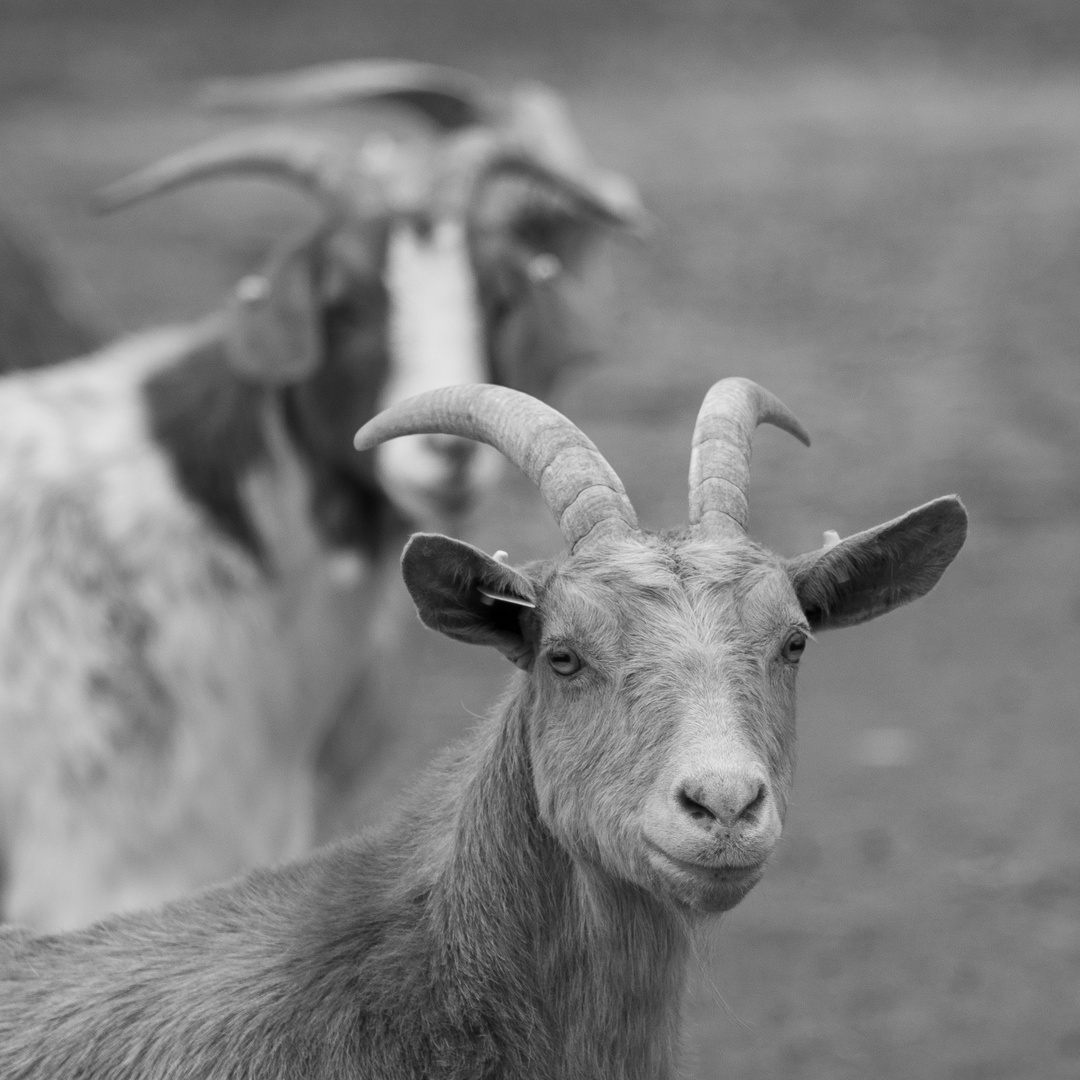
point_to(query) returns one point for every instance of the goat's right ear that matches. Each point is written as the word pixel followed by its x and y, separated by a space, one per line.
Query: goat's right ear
pixel 467 595
pixel 273 334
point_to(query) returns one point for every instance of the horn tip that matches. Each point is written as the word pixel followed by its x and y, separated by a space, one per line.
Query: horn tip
pixel 367 437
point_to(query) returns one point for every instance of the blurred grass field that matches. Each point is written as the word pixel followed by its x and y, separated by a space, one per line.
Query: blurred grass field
pixel 883 227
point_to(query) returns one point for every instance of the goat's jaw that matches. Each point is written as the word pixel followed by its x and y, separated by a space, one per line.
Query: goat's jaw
pixel 706 887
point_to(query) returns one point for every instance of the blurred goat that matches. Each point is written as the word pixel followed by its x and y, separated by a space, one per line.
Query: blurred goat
pixel 192 555
pixel 530 913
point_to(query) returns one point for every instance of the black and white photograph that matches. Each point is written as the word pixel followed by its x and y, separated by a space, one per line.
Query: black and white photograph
pixel 540 540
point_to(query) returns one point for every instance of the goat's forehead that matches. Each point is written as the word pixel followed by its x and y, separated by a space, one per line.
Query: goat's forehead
pixel 620 584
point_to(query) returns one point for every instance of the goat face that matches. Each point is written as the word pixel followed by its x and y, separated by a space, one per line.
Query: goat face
pixel 514 294
pixel 658 695
pixel 489 226
pixel 421 275
pixel 664 726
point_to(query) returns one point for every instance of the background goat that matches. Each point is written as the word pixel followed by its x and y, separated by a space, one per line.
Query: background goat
pixel 191 552
pixel 530 914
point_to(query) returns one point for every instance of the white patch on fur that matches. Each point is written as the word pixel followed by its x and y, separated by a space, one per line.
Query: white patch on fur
pixel 437 339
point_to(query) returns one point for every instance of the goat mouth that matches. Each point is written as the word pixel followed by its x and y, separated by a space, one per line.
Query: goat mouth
pixel 710 886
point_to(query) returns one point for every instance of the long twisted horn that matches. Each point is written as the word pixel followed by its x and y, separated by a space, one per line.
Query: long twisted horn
pixel 581 488
pixel 449 98
pixel 325 170
pixel 720 451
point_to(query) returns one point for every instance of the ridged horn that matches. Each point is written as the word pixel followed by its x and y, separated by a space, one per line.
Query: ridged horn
pixel 720 451
pixel 325 170
pixel 580 487
pixel 449 98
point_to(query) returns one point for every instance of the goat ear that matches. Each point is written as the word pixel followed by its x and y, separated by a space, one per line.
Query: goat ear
pixel 467 595
pixel 851 581
pixel 273 330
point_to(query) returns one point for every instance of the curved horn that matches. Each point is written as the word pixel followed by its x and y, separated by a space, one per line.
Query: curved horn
pixel 720 451
pixel 581 488
pixel 325 170
pixel 448 97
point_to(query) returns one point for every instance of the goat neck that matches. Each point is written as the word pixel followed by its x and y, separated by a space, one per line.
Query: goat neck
pixel 514 912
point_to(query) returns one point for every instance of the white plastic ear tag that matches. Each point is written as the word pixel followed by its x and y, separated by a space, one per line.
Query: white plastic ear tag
pixel 543 267
pixel 487 598
pixel 832 538
pixel 500 556
pixel 252 288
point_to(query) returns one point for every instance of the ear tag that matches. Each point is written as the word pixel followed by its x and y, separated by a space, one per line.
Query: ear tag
pixel 543 267
pixel 488 598
pixel 831 539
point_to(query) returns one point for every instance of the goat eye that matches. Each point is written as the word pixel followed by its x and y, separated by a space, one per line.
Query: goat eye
pixel 564 661
pixel 794 647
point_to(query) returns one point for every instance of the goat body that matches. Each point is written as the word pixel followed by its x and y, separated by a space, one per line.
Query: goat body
pixel 191 553
pixel 154 666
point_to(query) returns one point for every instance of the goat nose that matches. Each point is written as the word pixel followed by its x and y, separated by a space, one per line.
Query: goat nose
pixel 456 450
pixel 728 799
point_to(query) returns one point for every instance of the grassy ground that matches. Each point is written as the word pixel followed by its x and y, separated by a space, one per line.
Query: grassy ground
pixel 890 242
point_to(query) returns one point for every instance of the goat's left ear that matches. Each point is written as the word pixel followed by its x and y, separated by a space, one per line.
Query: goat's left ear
pixel 273 330
pixel 467 595
pixel 865 575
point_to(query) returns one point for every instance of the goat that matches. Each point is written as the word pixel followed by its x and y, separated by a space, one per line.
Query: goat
pixel 192 556
pixel 536 254
pixel 39 322
pixel 529 913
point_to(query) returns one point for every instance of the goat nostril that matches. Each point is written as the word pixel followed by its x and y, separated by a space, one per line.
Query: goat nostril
pixel 752 810
pixel 728 801
pixel 693 808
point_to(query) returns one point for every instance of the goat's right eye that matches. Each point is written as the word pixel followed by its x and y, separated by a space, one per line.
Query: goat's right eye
pixel 564 661
pixel 794 647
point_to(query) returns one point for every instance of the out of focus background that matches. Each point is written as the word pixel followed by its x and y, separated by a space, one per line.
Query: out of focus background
pixel 872 208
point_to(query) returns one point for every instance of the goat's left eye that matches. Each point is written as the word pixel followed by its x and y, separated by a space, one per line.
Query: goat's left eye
pixel 794 646
pixel 564 661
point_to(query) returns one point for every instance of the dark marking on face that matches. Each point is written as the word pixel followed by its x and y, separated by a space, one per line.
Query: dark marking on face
pixel 513 223
pixel 348 507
